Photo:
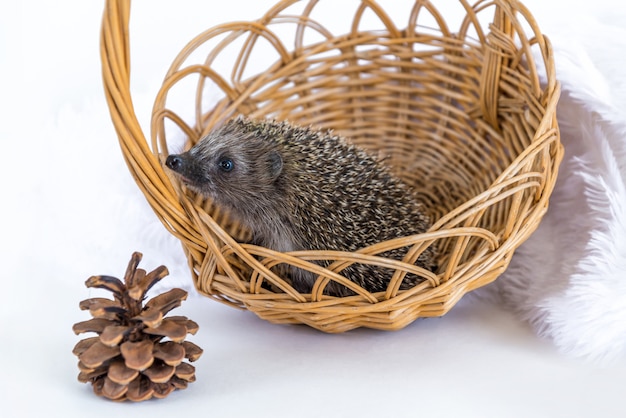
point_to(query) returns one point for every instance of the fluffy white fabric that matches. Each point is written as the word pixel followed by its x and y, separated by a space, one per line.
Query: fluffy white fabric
pixel 569 279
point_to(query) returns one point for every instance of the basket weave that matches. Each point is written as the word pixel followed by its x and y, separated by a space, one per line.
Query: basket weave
pixel 458 110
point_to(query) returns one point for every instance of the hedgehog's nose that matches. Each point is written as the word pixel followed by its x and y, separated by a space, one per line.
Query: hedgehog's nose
pixel 174 161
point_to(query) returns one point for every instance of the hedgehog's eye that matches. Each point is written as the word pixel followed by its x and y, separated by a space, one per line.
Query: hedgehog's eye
pixel 226 164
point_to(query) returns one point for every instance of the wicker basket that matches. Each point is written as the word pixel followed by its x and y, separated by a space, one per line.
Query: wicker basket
pixel 457 108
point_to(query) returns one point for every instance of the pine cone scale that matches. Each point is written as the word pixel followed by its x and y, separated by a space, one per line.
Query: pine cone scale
pixel 101 307
pixel 140 389
pixel 97 354
pixel 160 372
pixel 185 371
pixel 162 390
pixel 120 373
pixel 168 300
pixel 93 325
pixel 192 351
pixel 113 390
pixel 114 334
pixel 86 376
pixel 150 317
pixel 83 345
pixel 129 282
pixel 170 353
pixel 106 282
pixel 143 284
pixel 179 383
pixel 192 327
pixel 170 329
pixel 138 355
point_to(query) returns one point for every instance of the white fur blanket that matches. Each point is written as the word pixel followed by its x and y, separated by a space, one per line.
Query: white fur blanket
pixel 569 279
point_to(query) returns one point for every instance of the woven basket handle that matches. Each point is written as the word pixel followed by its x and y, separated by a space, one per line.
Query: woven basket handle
pixel 502 52
pixel 143 164
pixel 495 58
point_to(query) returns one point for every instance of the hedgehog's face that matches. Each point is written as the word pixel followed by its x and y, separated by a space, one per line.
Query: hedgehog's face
pixel 238 175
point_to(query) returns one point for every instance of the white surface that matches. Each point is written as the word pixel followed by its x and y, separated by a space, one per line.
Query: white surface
pixel 71 210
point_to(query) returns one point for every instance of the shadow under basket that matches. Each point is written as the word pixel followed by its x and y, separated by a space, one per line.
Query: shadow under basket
pixel 463 107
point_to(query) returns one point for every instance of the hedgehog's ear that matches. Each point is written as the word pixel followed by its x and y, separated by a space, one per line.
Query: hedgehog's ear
pixel 276 164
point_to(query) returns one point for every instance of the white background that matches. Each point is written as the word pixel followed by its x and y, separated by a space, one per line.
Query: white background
pixel 70 210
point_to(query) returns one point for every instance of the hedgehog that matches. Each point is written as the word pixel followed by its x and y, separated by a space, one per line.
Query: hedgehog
pixel 299 188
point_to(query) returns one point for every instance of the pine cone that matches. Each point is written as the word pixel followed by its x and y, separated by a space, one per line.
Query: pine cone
pixel 138 352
